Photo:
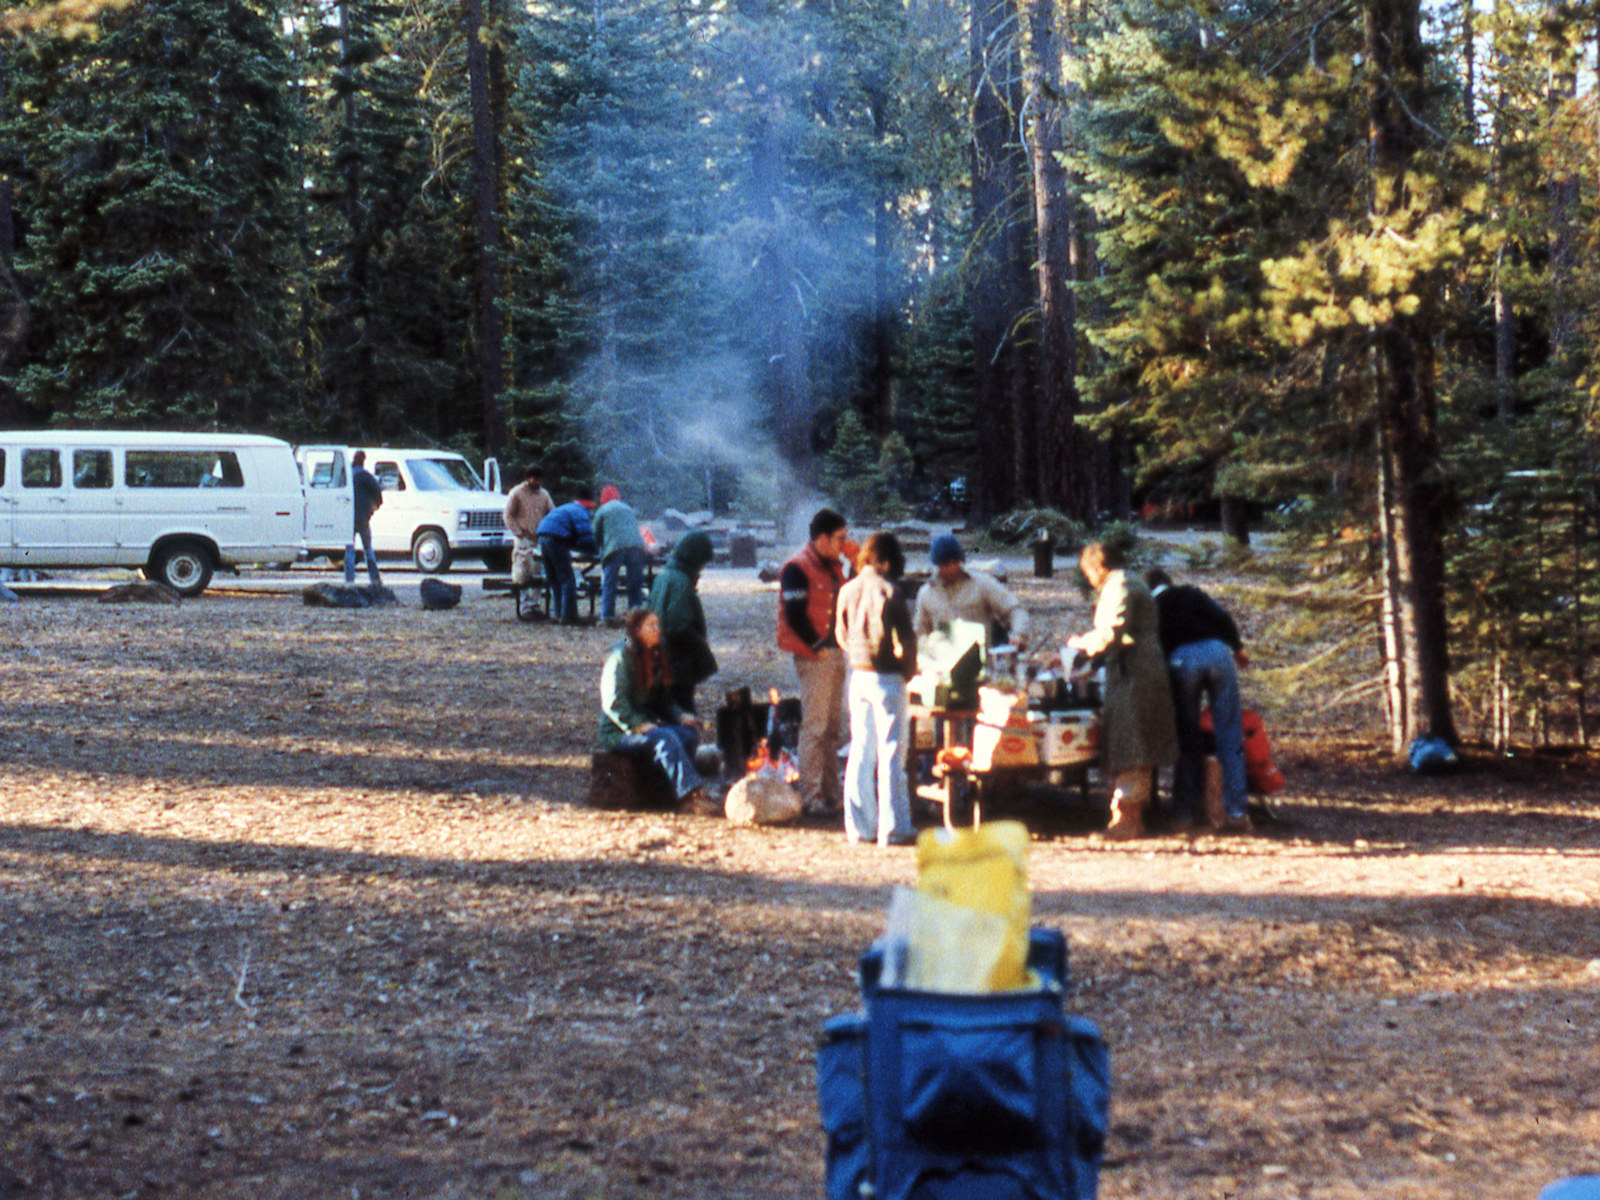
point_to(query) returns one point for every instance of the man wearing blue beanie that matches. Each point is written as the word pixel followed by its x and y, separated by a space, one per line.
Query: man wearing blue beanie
pixel 957 594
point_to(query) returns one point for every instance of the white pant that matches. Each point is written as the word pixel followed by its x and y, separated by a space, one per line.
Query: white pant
pixel 877 797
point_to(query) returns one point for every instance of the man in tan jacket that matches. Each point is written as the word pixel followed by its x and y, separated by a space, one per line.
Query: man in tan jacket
pixel 955 593
pixel 526 506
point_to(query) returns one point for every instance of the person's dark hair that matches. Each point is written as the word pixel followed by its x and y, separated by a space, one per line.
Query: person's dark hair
pixel 1155 577
pixel 1111 555
pixel 884 550
pixel 534 471
pixel 583 492
pixel 649 665
pixel 826 522
pixel 358 459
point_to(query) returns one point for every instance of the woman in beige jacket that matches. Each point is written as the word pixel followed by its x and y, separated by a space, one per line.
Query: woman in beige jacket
pixel 1139 731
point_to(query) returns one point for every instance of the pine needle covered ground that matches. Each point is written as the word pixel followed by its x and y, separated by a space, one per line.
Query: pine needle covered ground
pixel 305 903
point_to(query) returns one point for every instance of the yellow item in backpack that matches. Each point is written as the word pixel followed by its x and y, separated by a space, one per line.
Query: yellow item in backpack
pixel 984 870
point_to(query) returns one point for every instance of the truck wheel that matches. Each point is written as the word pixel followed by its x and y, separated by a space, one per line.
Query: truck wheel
pixel 431 552
pixel 185 567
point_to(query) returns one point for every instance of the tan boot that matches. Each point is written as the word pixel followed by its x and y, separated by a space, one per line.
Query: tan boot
pixel 1130 796
pixel 1127 822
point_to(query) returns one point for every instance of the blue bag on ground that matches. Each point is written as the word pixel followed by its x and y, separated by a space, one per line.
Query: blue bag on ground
pixel 1432 755
pixel 940 1096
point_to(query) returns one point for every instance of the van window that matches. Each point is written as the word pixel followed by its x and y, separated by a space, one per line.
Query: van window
pixel 41 468
pixel 91 468
pixel 444 475
pixel 388 476
pixel 182 469
pixel 324 469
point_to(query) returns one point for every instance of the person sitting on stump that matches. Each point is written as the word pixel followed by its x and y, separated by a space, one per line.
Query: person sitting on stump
pixel 638 714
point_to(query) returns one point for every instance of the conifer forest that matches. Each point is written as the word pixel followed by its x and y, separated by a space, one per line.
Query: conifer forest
pixel 1328 267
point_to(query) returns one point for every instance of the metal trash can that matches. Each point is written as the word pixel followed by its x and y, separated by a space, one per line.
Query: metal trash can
pixel 1044 554
pixel 742 550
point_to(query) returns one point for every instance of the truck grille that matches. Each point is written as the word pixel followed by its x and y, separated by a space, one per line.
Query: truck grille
pixel 486 520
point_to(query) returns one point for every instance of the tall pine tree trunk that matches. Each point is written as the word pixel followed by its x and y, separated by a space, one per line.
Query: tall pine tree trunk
pixel 1061 482
pixel 999 225
pixel 486 227
pixel 1417 639
pixel 788 380
pixel 1563 196
pixel 883 291
pixel 359 400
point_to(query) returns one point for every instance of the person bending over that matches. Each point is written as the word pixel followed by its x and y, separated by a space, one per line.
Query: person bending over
pixel 1202 645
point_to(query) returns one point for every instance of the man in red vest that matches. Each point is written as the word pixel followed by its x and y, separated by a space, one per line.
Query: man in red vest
pixel 808 591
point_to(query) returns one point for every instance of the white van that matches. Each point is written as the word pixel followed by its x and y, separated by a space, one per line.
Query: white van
pixel 178 505
pixel 435 509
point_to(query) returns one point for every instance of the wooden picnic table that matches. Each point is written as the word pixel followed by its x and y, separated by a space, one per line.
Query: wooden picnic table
pixel 956 786
pixel 535 601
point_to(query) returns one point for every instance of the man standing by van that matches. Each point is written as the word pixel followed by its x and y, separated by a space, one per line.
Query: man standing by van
pixel 368 500
pixel 526 506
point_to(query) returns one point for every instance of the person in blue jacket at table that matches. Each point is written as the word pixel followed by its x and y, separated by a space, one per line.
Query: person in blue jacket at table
pixel 565 529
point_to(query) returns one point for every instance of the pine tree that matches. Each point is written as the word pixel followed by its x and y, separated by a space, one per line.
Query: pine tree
pixel 153 182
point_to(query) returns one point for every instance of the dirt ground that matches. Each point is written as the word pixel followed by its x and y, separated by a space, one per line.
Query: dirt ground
pixel 306 903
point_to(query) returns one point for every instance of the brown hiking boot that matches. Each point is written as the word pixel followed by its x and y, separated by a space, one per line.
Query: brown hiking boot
pixel 1127 823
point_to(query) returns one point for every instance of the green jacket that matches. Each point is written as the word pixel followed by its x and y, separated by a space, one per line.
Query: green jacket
pixel 623 708
pixel 676 601
pixel 616 527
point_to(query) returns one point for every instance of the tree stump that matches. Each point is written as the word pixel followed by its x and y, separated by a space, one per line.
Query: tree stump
pixel 623 780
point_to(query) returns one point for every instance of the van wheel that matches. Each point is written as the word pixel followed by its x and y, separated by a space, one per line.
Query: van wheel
pixel 431 552
pixel 185 567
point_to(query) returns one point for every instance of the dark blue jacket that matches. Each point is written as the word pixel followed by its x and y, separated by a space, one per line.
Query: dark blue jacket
pixel 368 495
pixel 570 523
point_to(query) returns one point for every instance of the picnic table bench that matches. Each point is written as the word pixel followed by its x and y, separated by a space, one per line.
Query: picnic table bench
pixel 535 601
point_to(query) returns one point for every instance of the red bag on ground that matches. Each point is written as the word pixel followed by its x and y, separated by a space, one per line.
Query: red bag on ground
pixel 1260 771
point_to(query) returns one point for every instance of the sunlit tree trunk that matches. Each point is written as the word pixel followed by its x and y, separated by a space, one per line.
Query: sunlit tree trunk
pixel 1417 637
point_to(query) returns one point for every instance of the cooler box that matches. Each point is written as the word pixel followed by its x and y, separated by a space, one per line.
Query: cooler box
pixel 1068 738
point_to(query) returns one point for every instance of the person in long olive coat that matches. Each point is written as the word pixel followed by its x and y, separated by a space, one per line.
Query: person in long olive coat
pixel 1139 731
pixel 675 598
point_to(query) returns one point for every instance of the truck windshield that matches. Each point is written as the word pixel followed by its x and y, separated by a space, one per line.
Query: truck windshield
pixel 444 475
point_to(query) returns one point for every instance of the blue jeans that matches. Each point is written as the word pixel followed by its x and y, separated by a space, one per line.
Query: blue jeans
pixel 631 557
pixel 557 555
pixel 877 795
pixel 1207 667
pixel 364 532
pixel 672 747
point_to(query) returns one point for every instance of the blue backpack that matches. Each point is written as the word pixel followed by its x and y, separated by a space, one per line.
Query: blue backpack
pixel 937 1096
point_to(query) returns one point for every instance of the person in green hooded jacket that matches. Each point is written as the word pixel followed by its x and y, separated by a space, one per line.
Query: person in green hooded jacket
pixel 675 598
